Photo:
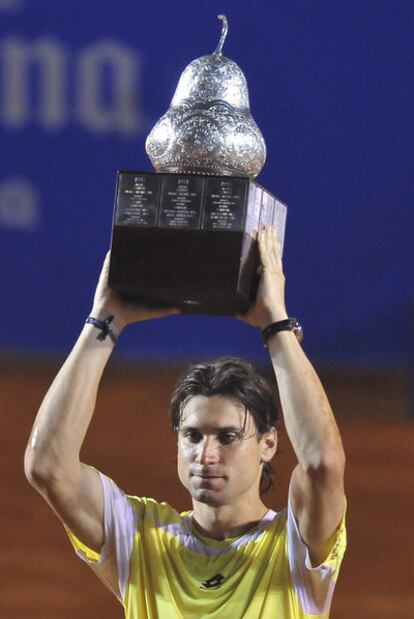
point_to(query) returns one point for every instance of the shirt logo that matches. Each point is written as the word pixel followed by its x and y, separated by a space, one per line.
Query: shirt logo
pixel 213 583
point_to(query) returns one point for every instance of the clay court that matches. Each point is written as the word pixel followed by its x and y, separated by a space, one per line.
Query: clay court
pixel 130 440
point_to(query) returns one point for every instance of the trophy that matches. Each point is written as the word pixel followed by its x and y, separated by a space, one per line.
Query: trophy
pixel 185 235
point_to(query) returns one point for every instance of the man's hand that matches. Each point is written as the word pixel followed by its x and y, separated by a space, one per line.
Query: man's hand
pixel 107 302
pixel 270 300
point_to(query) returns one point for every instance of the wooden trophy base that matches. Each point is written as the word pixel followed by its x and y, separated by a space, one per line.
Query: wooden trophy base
pixel 188 241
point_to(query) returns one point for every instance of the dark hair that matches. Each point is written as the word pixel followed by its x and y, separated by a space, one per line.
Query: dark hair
pixel 237 379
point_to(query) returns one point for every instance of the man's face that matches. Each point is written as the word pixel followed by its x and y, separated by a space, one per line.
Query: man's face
pixel 219 454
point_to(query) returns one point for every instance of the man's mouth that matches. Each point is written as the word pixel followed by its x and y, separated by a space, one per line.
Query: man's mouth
pixel 205 475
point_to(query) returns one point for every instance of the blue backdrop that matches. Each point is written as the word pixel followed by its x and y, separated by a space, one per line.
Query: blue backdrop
pixel 82 82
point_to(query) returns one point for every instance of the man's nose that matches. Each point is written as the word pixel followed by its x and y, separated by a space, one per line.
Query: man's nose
pixel 208 451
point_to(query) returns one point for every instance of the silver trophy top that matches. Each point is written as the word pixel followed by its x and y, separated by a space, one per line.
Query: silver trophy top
pixel 208 128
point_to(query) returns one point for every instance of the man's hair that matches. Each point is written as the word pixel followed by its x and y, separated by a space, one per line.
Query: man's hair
pixel 236 379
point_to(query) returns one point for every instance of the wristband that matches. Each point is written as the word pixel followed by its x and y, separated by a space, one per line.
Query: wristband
pixel 103 326
pixel 290 324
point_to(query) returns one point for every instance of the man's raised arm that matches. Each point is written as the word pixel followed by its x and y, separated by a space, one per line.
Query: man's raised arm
pixel 52 463
pixel 317 486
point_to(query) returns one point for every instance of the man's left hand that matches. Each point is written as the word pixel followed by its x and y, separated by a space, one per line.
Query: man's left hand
pixel 269 305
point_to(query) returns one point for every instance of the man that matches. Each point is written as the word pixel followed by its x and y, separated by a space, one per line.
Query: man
pixel 230 556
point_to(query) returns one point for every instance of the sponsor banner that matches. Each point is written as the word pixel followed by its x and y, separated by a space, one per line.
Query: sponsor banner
pixel 82 84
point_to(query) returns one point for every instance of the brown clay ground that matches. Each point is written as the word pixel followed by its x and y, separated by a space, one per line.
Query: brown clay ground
pixel 130 440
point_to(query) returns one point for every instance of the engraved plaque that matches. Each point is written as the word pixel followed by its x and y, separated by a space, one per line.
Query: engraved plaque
pixel 279 221
pixel 181 199
pixel 253 215
pixel 224 204
pixel 267 208
pixel 137 199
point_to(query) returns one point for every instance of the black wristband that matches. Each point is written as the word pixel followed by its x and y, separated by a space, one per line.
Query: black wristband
pixel 103 326
pixel 289 324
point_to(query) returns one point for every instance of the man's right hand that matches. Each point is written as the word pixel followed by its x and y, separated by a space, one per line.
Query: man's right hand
pixel 108 303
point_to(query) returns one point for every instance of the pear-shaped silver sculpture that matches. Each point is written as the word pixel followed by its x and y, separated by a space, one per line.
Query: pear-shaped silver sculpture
pixel 208 128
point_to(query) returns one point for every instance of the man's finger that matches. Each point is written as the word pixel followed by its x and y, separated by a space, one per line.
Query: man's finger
pixel 266 245
pixel 168 311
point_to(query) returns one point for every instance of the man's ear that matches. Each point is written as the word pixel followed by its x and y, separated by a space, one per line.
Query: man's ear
pixel 268 444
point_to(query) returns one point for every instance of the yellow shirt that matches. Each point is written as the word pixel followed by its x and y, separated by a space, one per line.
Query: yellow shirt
pixel 159 566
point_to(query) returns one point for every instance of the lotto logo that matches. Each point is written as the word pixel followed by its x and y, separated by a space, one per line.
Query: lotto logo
pixel 213 583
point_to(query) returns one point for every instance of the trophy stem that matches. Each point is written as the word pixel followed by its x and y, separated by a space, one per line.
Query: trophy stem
pixel 224 30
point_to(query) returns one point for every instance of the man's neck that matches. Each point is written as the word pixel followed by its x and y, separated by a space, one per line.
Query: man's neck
pixel 226 520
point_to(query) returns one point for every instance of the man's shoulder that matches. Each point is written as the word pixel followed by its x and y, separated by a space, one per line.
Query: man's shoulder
pixel 275 521
pixel 143 506
pixel 160 511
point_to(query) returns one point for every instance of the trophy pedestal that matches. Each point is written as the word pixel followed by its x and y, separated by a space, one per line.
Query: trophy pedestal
pixel 188 241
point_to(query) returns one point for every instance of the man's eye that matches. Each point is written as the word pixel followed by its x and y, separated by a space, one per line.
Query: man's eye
pixel 193 437
pixel 227 437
